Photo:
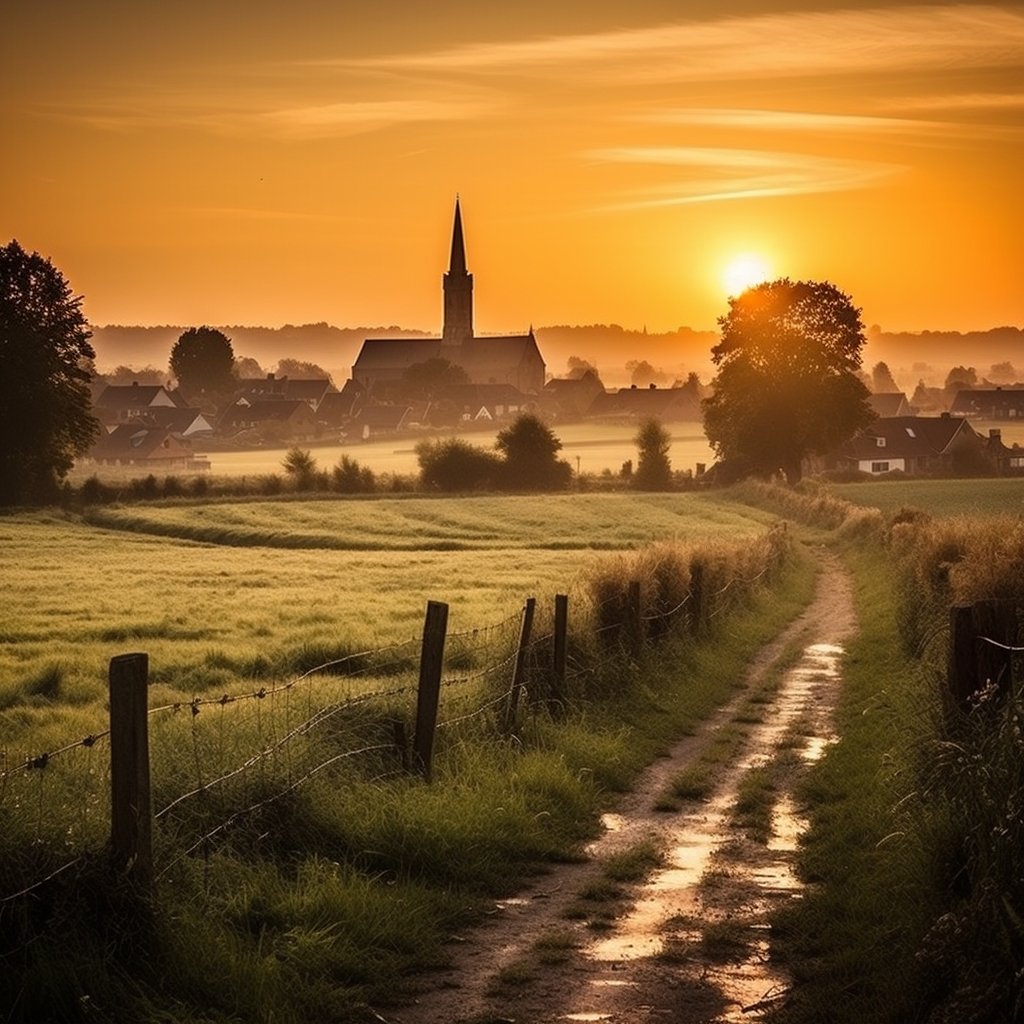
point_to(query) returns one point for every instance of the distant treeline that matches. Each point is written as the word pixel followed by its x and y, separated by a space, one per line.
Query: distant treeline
pixel 608 346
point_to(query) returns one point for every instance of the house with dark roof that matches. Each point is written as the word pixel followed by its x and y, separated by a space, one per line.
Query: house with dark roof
pixel 289 419
pixel 514 360
pixel 888 404
pixel 669 405
pixel 572 397
pixel 916 445
pixel 122 403
pixel 485 401
pixel 990 404
pixel 132 444
pixel 272 388
pixel 181 422
pixel 379 420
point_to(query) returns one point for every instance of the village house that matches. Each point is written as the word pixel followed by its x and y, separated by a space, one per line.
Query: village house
pixel 275 419
pixel 572 397
pixel 142 447
pixel 312 391
pixel 668 405
pixel 888 404
pixel 513 360
pixel 122 403
pixel 916 445
pixel 990 404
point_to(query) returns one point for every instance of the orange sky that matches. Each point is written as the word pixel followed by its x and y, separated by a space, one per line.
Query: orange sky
pixel 262 163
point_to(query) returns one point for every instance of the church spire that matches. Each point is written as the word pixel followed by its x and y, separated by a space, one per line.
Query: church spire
pixel 457 264
pixel 458 290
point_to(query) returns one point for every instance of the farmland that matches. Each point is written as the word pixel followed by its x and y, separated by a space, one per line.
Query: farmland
pixel 939 497
pixel 210 590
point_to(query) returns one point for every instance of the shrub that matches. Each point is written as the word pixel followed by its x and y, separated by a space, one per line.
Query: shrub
pixel 455 465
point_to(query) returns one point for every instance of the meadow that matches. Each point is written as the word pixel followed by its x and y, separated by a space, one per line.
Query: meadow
pixel 222 592
pixel 301 869
pixel 985 497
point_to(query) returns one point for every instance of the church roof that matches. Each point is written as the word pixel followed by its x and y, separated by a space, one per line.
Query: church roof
pixel 396 353
pixel 504 351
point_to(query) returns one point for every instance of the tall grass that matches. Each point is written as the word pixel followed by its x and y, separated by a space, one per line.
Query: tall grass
pixel 917 907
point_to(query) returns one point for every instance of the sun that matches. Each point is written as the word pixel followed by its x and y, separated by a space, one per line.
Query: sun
pixel 743 272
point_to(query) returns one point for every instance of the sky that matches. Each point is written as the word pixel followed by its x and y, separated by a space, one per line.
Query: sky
pixel 631 163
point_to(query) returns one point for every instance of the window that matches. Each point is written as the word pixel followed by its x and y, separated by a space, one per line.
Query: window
pixel 910 432
pixel 879 467
pixel 880 442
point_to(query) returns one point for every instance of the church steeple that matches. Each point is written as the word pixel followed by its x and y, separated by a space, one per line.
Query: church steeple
pixel 458 290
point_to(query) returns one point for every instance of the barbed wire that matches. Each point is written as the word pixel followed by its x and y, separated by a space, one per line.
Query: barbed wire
pixel 321 716
pixel 1009 648
pixel 80 859
pixel 37 761
pixel 228 822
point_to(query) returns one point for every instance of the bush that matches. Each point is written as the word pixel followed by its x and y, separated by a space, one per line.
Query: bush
pixel 351 478
pixel 455 465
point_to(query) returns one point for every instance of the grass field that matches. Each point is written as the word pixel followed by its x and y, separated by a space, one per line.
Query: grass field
pixel 588 447
pixel 939 497
pixel 216 592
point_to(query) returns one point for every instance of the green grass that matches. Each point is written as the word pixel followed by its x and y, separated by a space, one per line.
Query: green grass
pixel 938 497
pixel 329 897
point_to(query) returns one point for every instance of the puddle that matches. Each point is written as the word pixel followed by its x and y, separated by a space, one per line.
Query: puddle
pixel 750 884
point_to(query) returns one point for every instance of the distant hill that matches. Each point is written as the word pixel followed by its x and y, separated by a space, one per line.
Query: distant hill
pixel 930 354
pixel 608 346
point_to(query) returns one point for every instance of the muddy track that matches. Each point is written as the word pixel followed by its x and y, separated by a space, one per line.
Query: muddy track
pixel 690 942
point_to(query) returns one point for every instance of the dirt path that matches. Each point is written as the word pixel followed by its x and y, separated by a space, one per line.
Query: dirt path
pixel 689 944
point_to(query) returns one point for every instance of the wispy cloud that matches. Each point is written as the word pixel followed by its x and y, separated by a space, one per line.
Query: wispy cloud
pixel 813 123
pixel 792 43
pixel 730 174
pixel 352 117
pixel 962 101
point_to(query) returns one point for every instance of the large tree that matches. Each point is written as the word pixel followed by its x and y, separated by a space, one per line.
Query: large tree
pixel 202 362
pixel 787 383
pixel 46 417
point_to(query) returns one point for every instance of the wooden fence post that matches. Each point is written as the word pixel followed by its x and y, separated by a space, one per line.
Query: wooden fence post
pixel 559 652
pixel 634 623
pixel 131 813
pixel 973 661
pixel 435 627
pixel 511 712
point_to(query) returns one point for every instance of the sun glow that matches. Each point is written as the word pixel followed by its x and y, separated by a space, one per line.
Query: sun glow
pixel 743 272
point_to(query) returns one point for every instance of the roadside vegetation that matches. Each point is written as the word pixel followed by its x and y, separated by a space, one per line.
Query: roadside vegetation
pixel 915 907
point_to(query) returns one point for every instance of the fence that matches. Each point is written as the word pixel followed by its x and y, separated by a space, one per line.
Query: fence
pixel 480 679
pixel 982 646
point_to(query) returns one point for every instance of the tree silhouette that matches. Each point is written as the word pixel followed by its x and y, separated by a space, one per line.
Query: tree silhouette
pixel 202 362
pixel 882 380
pixel 46 418
pixel 300 369
pixel 425 380
pixel 300 465
pixel 787 384
pixel 531 451
pixel 653 468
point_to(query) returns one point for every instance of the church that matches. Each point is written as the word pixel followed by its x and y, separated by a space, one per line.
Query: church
pixel 510 360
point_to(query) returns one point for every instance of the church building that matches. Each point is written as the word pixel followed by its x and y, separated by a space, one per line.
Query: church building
pixel 511 359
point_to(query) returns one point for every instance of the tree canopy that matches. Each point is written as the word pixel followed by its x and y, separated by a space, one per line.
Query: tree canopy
pixel 202 362
pixel 787 383
pixel 46 417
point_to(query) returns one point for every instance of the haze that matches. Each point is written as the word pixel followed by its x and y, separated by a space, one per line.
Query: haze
pixel 246 163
